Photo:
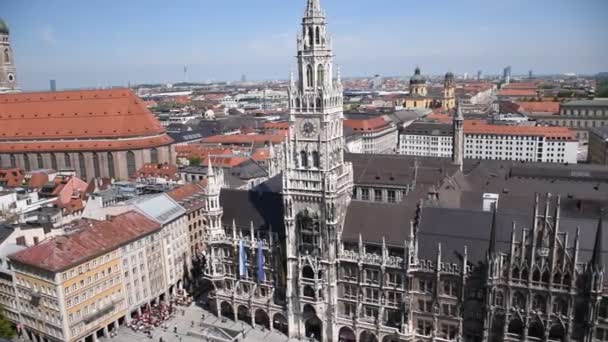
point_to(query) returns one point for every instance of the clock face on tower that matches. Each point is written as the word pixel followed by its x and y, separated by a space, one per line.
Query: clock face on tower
pixel 308 128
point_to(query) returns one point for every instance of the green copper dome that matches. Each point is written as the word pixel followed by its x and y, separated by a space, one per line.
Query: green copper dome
pixel 417 78
pixel 3 27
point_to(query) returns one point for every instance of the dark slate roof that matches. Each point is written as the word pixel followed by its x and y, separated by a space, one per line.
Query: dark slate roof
pixel 428 128
pixel 273 184
pixel 5 231
pixel 586 103
pixel 377 220
pixel 455 228
pixel 264 209
pixel 248 170
pixel 601 132
pixel 398 170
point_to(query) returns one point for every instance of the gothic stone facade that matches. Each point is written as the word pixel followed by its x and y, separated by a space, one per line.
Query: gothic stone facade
pixel 305 260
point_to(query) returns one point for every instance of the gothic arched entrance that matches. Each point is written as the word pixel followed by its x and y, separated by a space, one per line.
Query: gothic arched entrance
pixel 226 310
pixel 516 327
pixel 279 322
pixel 368 336
pixel 536 329
pixel 243 314
pixel 557 332
pixel 314 328
pixel 261 318
pixel 346 334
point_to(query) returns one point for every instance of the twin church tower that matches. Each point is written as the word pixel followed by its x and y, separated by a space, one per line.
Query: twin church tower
pixel 8 74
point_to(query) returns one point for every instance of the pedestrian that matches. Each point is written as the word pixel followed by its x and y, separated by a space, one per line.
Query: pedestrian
pixel 192 324
pixel 175 330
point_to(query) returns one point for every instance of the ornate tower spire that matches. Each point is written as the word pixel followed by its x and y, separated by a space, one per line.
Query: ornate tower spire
pixel 458 145
pixel 313 9
pixel 596 257
pixel 492 245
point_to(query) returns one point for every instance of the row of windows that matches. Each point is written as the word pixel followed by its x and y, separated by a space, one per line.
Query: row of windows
pixel 82 283
pixel 87 267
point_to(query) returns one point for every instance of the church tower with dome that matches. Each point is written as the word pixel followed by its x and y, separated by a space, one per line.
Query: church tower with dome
pixel 8 74
pixel 418 84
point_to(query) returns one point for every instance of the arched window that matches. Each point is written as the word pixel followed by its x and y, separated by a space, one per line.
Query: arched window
pixel 524 274
pixel 297 104
pixel 318 35
pixel 519 301
pixel 516 327
pixel 546 276
pixel 320 75
pixel 39 162
pixel 310 37
pixel 7 57
pixel 303 159
pixel 560 307
pixel 26 162
pixel 515 273
pixel 536 329
pixel 499 299
pixel 316 161
pixel 131 166
pixel 154 156
pixel 83 167
pixel 67 161
pixel 53 161
pixel 319 103
pixel 538 303
pixel 308 273
pixel 309 291
pixel 557 278
pixel 309 75
pixel 96 168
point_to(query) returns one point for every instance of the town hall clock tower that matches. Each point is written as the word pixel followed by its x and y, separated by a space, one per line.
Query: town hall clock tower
pixel 317 183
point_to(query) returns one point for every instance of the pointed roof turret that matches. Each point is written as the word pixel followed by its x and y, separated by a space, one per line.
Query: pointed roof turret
pixel 492 245
pixel 459 115
pixel 596 258
pixel 313 7
pixel 209 166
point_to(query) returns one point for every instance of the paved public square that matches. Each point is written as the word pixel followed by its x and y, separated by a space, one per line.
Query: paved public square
pixel 184 325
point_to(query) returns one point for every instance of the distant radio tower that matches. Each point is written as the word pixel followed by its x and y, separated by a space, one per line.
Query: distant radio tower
pixel 185 74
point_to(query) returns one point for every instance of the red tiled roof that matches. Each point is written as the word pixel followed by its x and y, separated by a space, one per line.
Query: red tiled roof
pixel 440 117
pixel 63 252
pixel 373 124
pixel 185 191
pixel 158 170
pixel 37 180
pixel 283 125
pixel 188 151
pixel 11 177
pixel 50 121
pixel 244 139
pixel 539 107
pixel 521 85
pixel 550 132
pixel 517 92
pixel 224 161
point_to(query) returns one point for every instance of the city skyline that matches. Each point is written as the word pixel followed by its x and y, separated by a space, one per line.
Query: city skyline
pixel 118 44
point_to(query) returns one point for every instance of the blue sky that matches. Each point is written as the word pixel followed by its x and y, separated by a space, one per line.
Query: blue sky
pixel 98 43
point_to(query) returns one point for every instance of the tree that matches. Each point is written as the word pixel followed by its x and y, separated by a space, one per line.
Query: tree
pixel 195 161
pixel 6 327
